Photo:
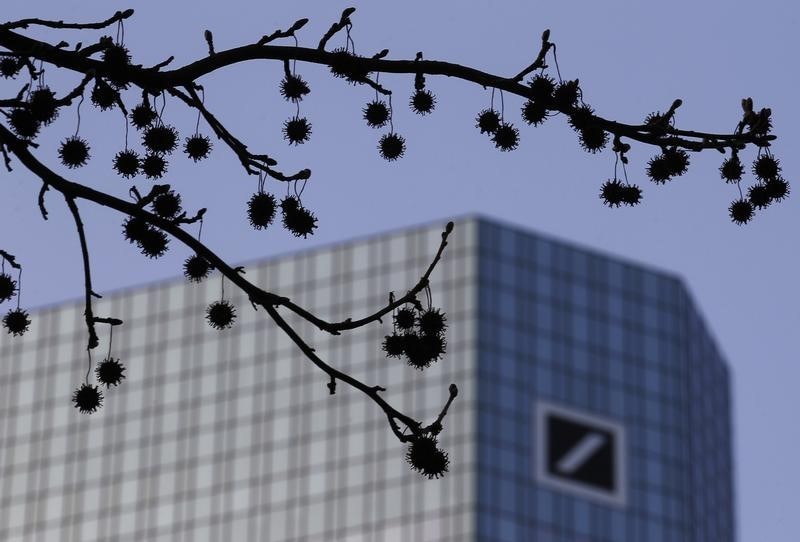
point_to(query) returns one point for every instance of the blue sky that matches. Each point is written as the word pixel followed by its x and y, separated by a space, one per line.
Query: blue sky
pixel 632 58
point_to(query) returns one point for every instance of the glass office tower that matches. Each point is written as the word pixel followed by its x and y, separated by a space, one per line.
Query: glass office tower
pixel 593 406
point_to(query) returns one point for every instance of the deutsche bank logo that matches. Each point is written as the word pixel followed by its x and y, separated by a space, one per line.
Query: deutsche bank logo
pixel 580 453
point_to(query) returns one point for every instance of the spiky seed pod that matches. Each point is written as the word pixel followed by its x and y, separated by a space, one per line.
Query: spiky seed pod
pixel 581 117
pixel 220 315
pixel 534 112
pixel 766 167
pixel 654 119
pixel 393 345
pixel 376 113
pixel 9 67
pixel 417 354
pixel 631 195
pixel 299 221
pixel 142 116
pixel 153 166
pixel 197 147
pixel 758 195
pixel 261 210
pixel 593 138
pixel 289 203
pixel 506 138
pixel 153 243
pixel 432 321
pixel 741 211
pixel 87 398
pixel 24 123
pixel 296 130
pixel 392 146
pixel 566 94
pixel 431 348
pixel 658 169
pixel 425 457
pixel 405 318
pixel 43 105
pixel 488 121
pixel 16 321
pixel 103 96
pixel 116 57
pixel 134 229
pixel 731 169
pixel 110 372
pixel 422 102
pixel 294 88
pixel 74 152
pixel 167 205
pixel 777 188
pixel 196 268
pixel 542 87
pixel 160 138
pixel 612 193
pixel 126 163
pixel 7 287
pixel 344 65
pixel 676 161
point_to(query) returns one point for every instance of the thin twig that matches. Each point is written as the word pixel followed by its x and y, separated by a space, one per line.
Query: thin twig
pixel 87 273
pixel 24 23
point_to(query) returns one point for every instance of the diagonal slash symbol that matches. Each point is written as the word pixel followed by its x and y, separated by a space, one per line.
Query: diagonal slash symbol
pixel 580 453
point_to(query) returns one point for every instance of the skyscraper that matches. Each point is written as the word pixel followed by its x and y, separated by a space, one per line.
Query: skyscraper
pixel 593 406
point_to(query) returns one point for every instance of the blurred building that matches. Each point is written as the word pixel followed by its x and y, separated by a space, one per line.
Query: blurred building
pixel 593 406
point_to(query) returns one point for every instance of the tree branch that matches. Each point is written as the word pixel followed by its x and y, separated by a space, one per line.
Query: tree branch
pixel 24 23
pixel 268 301
pixel 371 392
pixel 87 273
pixel 78 191
pixel 349 323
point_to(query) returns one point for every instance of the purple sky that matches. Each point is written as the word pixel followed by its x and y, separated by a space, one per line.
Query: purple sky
pixel 632 58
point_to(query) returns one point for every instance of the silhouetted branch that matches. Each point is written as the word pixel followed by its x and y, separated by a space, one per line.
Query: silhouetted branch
pixel 24 23
pixel 87 273
pixel 269 301
pixel 372 392
pixel 78 191
pixel 10 259
pixel 539 62
pixel 41 200
pixel 344 20
pixel 335 328
pixel 300 23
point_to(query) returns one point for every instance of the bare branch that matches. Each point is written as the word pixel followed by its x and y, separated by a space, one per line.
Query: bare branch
pixel 372 392
pixel 10 259
pixel 411 296
pixel 41 200
pixel 24 23
pixel 539 62
pixel 78 191
pixel 87 273
pixel 344 20
pixel 300 23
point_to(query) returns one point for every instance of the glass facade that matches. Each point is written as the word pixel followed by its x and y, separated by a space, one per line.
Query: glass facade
pixel 593 333
pixel 215 435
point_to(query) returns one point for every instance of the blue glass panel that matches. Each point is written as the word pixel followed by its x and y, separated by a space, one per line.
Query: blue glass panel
pixel 544 506
pixel 581 517
pixel 580 295
pixel 544 284
pixel 655 532
pixel 506 530
pixel 580 327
